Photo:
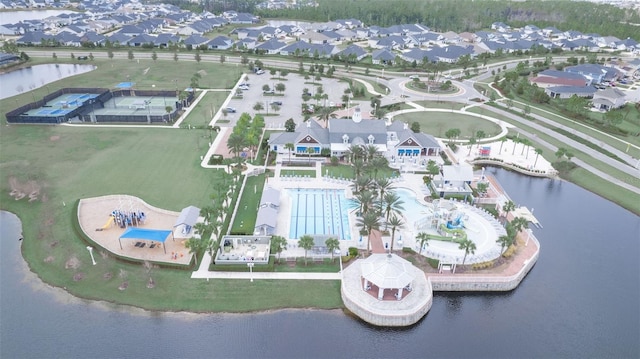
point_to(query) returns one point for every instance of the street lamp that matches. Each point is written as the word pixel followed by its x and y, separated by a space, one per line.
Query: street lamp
pixel 250 265
pixel 90 249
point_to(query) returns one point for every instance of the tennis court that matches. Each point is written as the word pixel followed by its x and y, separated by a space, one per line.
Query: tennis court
pixel 62 105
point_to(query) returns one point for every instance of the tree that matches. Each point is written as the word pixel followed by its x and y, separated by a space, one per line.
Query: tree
pixel 538 153
pixel 130 55
pixel 519 224
pixel 508 207
pixel 280 87
pixel 369 222
pixel 110 54
pixel 223 58
pixel 332 245
pixel 175 56
pixel 504 241
pixel 91 57
pixel 195 246
pixel 423 238
pixel 258 106
pixel 73 57
pixel 305 242
pixel 502 141
pixel 396 223
pixel 451 134
pixel 468 246
pixel 197 56
pixel 154 56
pixel 480 135
pixel 278 244
pixel 415 127
pixel 393 204
pixel 289 146
pixel 310 151
pixel 472 141
pixel 290 125
pixel 236 143
pixel 55 57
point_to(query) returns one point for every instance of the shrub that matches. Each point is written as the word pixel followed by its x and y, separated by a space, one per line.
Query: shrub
pixel 353 251
pixel 215 160
pixel 509 252
pixel 433 262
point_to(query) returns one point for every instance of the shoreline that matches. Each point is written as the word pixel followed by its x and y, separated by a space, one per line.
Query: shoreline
pixel 64 296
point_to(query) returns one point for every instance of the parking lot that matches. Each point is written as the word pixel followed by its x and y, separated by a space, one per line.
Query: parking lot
pixel 290 98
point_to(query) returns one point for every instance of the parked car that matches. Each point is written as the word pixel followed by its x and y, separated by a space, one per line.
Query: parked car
pixel 413 77
pixel 83 57
pixel 231 110
pixel 279 103
pixel 243 88
pixel 269 92
pixel 259 72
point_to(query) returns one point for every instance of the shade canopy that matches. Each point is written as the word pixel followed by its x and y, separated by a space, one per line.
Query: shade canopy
pixel 158 235
pixel 387 271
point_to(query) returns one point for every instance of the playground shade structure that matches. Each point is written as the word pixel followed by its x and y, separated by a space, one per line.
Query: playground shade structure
pixel 156 235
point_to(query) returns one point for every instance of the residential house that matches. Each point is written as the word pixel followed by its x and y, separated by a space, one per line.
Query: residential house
pixel 220 43
pixel 195 41
pixel 608 99
pixel 271 47
pixel 595 73
pixel 354 52
pixel 551 78
pixel 383 57
pixel 564 92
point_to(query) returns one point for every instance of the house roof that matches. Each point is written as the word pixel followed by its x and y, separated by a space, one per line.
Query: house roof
pixel 588 90
pixel 383 55
pixel 609 93
pixel 338 127
pixel 267 216
pixel 270 196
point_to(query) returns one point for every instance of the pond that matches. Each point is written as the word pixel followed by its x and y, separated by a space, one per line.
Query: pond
pixel 33 77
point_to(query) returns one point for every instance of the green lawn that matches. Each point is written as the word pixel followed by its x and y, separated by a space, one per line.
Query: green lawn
pixel 208 106
pixel 438 123
pixel 245 219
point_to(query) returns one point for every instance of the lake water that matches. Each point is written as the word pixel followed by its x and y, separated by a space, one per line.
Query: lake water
pixel 33 77
pixel 580 300
pixel 13 17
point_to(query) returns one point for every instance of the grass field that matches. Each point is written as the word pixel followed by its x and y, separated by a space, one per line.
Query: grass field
pixel 438 123
pixel 245 219
pixel 208 106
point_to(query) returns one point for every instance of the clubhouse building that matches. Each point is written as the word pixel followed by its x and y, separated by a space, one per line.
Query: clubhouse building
pixel 392 139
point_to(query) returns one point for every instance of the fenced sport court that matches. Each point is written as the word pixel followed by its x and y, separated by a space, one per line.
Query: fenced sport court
pixel 62 105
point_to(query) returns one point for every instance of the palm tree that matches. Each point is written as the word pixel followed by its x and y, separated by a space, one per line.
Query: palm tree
pixel 371 152
pixel 361 184
pixel 395 223
pixel 525 144
pixel 310 151
pixel 504 241
pixel 423 238
pixel 368 222
pixel 480 135
pixel 467 246
pixel 383 184
pixel 332 244
pixel 236 143
pixel 306 242
pixel 502 141
pixel 519 224
pixel 358 165
pixel 364 201
pixel 538 153
pixel 289 146
pixel 377 163
pixel 393 203
pixel 195 246
pixel 515 142
pixel 508 207
pixel 278 244
pixel 325 114
pixel 354 152
pixel 472 141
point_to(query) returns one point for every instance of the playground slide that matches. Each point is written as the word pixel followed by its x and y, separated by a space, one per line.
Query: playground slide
pixel 106 225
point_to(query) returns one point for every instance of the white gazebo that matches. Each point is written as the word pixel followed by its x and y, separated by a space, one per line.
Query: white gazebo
pixel 387 271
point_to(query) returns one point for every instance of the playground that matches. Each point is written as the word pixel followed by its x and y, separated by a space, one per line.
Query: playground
pixel 129 227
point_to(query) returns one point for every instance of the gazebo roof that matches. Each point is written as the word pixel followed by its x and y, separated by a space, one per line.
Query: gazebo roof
pixel 387 271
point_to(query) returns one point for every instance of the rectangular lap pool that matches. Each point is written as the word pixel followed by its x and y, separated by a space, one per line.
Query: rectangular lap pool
pixel 319 211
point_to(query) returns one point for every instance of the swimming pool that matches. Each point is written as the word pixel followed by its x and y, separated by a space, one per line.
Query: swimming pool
pixel 319 211
pixel 414 211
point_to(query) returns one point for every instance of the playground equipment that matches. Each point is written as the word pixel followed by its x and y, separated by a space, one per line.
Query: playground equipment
pixel 128 218
pixel 107 224
pixel 456 223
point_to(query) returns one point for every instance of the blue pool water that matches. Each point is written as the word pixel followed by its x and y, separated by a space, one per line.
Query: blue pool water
pixel 319 211
pixel 414 211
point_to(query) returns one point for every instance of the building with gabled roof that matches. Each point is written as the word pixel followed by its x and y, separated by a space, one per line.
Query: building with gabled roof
pixel 608 99
pixel 390 138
